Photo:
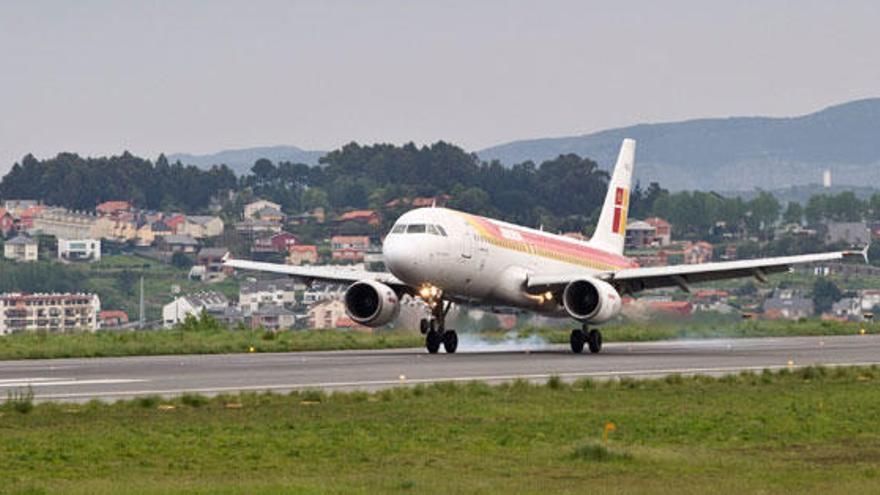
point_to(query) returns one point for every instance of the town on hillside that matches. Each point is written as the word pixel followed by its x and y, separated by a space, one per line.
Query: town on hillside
pixel 193 247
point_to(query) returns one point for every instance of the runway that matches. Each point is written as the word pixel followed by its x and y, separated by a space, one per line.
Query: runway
pixel 123 378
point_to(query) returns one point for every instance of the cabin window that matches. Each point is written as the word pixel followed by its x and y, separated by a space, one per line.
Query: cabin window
pixel 416 228
pixel 399 229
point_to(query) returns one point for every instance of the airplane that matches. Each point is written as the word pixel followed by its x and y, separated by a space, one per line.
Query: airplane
pixel 444 256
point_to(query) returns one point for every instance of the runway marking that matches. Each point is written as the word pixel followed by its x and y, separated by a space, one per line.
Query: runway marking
pixel 55 382
pixel 416 381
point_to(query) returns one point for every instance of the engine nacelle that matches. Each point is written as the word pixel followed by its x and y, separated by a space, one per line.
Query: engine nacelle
pixel 591 300
pixel 371 303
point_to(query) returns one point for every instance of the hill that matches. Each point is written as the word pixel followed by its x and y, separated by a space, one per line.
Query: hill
pixel 737 153
pixel 241 160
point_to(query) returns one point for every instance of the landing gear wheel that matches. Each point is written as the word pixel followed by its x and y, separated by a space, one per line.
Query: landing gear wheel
pixel 424 326
pixel 432 341
pixel 450 341
pixel 577 340
pixel 594 340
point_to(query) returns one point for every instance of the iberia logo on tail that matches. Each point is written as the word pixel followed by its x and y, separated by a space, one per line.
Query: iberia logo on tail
pixel 621 203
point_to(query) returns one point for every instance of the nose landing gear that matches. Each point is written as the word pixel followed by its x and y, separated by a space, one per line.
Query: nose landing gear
pixel 585 337
pixel 434 329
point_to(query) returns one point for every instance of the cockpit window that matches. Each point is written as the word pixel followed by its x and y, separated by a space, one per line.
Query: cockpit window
pixel 441 230
pixel 399 229
pixel 433 230
pixel 416 228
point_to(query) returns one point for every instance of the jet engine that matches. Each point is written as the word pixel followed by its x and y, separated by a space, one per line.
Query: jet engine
pixel 371 303
pixel 591 300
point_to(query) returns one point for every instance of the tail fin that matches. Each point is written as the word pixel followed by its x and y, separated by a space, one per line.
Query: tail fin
pixel 611 229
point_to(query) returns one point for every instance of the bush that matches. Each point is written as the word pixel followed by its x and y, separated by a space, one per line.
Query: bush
pixel 148 402
pixel 20 401
pixel 598 453
pixel 194 400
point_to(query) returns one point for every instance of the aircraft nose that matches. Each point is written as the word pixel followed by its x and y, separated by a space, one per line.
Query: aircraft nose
pixel 401 257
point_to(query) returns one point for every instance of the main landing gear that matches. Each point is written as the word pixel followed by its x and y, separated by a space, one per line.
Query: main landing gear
pixel 581 337
pixel 434 329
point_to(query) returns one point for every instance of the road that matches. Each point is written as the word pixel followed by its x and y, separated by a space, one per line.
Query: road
pixel 123 378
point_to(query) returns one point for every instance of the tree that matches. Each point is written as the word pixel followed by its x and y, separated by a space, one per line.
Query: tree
pixel 182 261
pixel 794 213
pixel 825 294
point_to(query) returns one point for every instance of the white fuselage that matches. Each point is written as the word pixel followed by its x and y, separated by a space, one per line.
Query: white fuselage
pixel 487 261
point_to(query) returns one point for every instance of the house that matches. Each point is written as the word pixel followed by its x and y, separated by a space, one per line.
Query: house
pixel 21 312
pixel 178 244
pixel 251 209
pixel 318 292
pixel 144 236
pixel 351 248
pixel 16 207
pixel 160 229
pixel 302 254
pixel 662 230
pixel 697 253
pixel 113 228
pixel 254 228
pixel 210 302
pixel 273 318
pixel 424 202
pixel 7 222
pixel 639 235
pixel 60 222
pixel 174 222
pixel 21 248
pixel 847 308
pixel 318 215
pixel 269 214
pixel 277 243
pixel 26 217
pixel 869 299
pixel 212 260
pixel 575 235
pixel 257 294
pixel 788 304
pixel 201 226
pixel 368 217
pixel 110 208
pixel 850 233
pixel 329 314
pixel 79 249
pixel 112 318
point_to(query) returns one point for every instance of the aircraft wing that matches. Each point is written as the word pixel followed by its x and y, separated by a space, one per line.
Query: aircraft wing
pixel 632 280
pixel 339 274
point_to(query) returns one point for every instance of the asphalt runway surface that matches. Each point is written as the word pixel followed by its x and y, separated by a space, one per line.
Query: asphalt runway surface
pixel 123 378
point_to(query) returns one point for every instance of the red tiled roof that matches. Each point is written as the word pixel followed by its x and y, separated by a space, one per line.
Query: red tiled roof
pixel 112 206
pixel 358 215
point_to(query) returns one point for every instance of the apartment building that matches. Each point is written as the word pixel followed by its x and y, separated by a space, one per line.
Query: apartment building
pixel 49 312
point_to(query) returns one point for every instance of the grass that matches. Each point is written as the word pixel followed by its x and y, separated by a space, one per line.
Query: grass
pixel 217 340
pixel 806 431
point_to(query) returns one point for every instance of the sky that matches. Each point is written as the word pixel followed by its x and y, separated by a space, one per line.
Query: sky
pixel 101 77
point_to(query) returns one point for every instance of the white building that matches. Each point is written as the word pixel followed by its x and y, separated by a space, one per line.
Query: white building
pixel 258 294
pixel 251 209
pixel 322 292
pixel 208 301
pixel 60 222
pixel 48 312
pixel 79 249
pixel 21 248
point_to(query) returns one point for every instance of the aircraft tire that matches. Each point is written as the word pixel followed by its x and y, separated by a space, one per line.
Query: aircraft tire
pixel 578 339
pixel 594 340
pixel 432 341
pixel 424 326
pixel 450 341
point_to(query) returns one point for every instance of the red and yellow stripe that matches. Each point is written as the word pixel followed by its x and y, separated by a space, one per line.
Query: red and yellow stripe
pixel 546 246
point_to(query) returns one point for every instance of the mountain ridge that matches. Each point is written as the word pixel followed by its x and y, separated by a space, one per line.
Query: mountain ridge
pixel 240 160
pixel 731 152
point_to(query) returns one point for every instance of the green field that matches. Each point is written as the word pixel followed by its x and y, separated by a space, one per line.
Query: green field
pixel 809 431
pixel 208 337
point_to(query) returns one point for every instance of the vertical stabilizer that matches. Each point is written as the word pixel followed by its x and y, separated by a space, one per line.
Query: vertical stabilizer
pixel 611 229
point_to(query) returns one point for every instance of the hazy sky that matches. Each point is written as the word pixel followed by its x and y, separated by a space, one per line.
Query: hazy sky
pixel 99 77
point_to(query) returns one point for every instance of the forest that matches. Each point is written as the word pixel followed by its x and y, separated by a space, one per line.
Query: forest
pixel 564 193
